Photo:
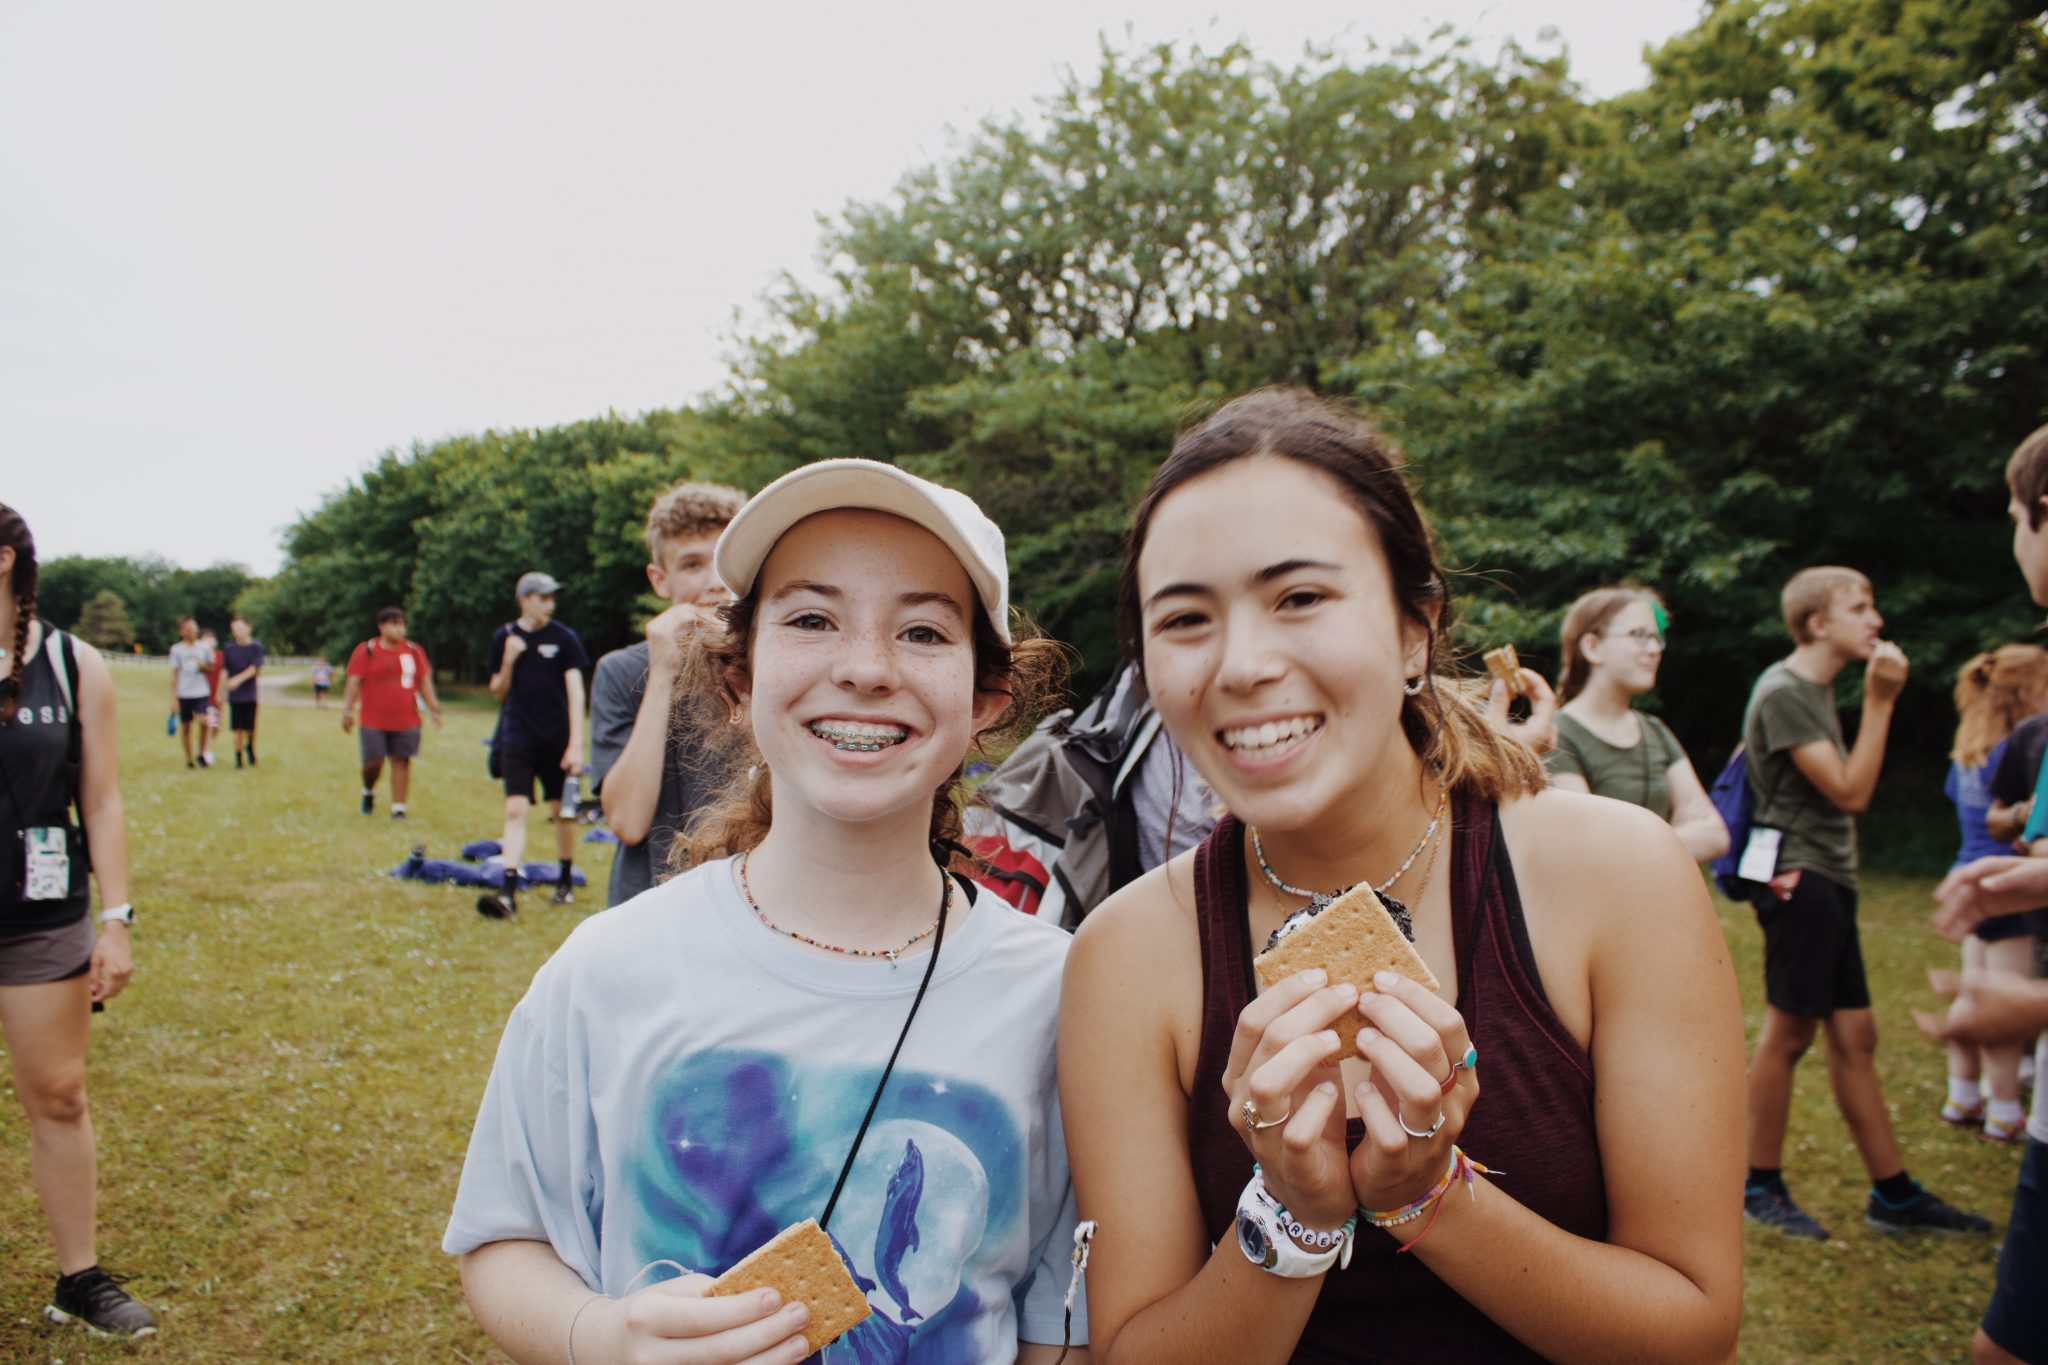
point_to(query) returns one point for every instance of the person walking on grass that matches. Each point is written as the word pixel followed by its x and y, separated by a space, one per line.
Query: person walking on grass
pixel 1801 864
pixel 649 774
pixel 241 663
pixel 191 693
pixel 57 757
pixel 1994 692
pixel 322 677
pixel 537 670
pixel 391 678
pixel 688 1073
pixel 1612 642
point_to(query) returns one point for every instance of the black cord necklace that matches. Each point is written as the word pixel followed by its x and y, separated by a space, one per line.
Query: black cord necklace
pixel 938 941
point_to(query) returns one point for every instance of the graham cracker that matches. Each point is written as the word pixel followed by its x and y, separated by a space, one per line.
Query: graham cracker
pixel 1351 939
pixel 801 1264
pixel 1503 663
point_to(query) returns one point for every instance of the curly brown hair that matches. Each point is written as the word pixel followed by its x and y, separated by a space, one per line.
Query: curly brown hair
pixel 1032 672
pixel 690 509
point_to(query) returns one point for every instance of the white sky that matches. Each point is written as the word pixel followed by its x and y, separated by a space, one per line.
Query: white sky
pixel 246 247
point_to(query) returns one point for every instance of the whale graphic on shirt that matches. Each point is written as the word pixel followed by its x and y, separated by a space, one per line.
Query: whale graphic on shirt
pixel 897 1237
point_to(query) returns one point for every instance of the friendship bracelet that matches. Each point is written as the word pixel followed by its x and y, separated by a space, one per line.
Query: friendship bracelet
pixel 1300 1231
pixel 576 1317
pixel 1461 1167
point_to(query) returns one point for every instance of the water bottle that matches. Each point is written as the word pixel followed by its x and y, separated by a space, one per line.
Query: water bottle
pixel 572 790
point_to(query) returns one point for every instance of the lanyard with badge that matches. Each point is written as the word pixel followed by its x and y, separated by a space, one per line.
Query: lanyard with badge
pixel 46 849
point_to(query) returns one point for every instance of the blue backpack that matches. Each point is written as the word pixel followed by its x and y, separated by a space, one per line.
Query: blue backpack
pixel 1737 804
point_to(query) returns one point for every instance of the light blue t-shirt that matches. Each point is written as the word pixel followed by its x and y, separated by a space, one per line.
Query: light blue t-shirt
pixel 682 1083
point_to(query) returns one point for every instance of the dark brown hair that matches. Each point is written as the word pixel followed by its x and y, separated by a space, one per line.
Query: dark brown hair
pixel 1445 722
pixel 690 509
pixel 1031 672
pixel 14 533
pixel 1589 615
pixel 387 615
pixel 2026 474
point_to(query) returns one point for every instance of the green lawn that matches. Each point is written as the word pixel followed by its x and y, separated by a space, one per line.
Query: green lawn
pixel 284 1095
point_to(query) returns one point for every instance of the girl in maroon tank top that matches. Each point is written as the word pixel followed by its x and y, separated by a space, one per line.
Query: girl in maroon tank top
pixel 1260 1201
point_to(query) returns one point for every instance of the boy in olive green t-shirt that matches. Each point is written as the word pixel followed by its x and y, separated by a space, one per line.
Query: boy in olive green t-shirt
pixel 1809 785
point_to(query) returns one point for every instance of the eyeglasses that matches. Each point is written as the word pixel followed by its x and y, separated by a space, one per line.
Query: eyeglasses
pixel 1642 637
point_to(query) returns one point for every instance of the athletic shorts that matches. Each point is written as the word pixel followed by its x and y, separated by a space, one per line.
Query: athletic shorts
pixel 43 955
pixel 2018 1316
pixel 242 715
pixel 319 689
pixel 2006 926
pixel 521 765
pixel 379 745
pixel 193 708
pixel 1813 959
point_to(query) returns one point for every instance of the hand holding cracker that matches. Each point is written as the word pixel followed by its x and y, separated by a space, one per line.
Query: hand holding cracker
pixel 646 1324
pixel 1421 1090
pixel 801 1264
pixel 1283 1066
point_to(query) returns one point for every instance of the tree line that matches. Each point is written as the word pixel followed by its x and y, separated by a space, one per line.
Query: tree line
pixel 1784 305
pixel 120 603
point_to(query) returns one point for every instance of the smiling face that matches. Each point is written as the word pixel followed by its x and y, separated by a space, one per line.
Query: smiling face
pixel 1274 649
pixel 1628 648
pixel 685 574
pixel 860 677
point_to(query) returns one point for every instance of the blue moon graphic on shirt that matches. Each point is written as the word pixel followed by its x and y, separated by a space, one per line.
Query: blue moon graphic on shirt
pixel 740 1145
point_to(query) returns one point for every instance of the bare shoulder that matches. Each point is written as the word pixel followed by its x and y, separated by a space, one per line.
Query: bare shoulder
pixel 1136 964
pixel 1590 846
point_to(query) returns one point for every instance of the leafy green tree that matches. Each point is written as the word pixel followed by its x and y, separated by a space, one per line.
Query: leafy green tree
pixel 104 622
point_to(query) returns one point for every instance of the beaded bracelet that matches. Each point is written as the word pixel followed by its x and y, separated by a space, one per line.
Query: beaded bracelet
pixel 1300 1232
pixel 1461 1167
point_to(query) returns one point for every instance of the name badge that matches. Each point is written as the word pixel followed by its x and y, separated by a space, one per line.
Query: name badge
pixel 49 865
pixel 1760 855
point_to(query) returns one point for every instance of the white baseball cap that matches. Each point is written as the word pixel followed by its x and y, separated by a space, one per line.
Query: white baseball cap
pixel 835 485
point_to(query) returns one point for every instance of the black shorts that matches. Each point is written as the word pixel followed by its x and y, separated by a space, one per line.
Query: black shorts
pixel 241 715
pixel 193 708
pixel 1813 959
pixel 2018 1316
pixel 522 764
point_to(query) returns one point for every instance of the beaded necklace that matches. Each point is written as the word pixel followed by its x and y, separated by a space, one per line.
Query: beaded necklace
pixel 1320 900
pixel 891 953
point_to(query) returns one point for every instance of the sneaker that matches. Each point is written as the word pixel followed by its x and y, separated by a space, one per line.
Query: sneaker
pixel 95 1299
pixel 565 891
pixel 369 803
pixel 398 813
pixel 2002 1132
pixel 1962 1116
pixel 206 760
pixel 496 905
pixel 1923 1210
pixel 252 758
pixel 1773 1207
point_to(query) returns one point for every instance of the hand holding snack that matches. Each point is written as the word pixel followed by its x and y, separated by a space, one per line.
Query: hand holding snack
pixel 722 1330
pixel 1506 668
pixel 1418 1046
pixel 1283 1065
pixel 800 1264
pixel 1884 677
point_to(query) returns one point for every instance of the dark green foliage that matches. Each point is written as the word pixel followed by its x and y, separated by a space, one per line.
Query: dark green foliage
pixel 153 592
pixel 104 622
pixel 1783 306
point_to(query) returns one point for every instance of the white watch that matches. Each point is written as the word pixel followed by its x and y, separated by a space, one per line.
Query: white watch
pixel 123 913
pixel 1267 1233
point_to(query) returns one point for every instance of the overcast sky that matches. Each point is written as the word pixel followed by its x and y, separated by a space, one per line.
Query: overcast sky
pixel 246 247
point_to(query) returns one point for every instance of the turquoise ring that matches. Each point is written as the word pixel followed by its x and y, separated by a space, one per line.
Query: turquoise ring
pixel 1468 1062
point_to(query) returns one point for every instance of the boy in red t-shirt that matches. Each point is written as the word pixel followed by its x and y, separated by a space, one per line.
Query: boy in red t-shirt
pixel 390 676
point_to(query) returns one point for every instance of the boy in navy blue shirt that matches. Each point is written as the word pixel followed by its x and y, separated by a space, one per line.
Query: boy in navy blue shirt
pixel 538 667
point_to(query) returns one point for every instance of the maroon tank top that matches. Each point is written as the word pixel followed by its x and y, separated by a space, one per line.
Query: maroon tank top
pixel 1533 1121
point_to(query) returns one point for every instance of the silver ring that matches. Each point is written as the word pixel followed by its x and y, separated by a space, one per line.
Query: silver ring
pixel 1258 1124
pixel 1410 1131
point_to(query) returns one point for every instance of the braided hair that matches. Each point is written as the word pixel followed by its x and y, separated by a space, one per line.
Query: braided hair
pixel 15 535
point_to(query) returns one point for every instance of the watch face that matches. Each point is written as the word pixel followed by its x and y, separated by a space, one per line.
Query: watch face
pixel 1252 1240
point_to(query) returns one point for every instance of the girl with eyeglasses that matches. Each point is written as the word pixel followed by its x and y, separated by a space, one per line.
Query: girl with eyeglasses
pixel 1611 644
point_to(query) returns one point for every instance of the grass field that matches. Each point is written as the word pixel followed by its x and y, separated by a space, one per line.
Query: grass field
pixel 284 1094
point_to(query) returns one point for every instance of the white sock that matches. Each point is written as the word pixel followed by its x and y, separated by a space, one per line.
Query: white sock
pixel 2006 1112
pixel 398 808
pixel 1963 1094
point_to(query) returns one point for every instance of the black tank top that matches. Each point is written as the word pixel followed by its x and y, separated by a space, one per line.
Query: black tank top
pixel 36 780
pixel 1533 1121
